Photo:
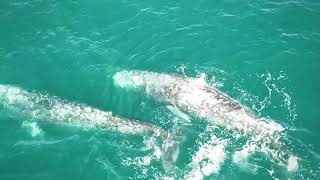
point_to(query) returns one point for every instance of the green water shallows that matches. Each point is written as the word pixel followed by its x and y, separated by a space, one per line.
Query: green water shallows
pixel 265 54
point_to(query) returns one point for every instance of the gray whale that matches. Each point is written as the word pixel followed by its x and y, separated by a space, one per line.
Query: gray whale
pixel 196 97
pixel 43 107
pixel 53 109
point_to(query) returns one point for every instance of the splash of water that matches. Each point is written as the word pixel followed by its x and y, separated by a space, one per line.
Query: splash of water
pixel 208 159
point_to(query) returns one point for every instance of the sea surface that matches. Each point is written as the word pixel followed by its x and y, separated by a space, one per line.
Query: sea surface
pixel 262 53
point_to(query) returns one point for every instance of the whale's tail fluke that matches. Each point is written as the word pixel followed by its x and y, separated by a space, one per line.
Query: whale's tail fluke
pixel 170 148
pixel 171 140
pixel 174 138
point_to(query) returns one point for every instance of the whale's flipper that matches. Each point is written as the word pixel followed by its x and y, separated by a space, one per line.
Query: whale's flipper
pixel 175 110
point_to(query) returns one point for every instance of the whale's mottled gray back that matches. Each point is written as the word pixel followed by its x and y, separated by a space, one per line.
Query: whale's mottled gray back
pixel 53 109
pixel 199 98
pixel 196 97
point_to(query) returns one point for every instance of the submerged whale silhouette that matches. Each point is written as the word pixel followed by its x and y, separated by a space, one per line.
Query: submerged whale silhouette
pixel 196 97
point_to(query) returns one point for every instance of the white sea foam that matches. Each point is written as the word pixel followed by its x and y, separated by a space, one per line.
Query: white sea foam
pixel 208 159
pixel 293 164
pixel 32 128
pixel 143 165
pixel 240 158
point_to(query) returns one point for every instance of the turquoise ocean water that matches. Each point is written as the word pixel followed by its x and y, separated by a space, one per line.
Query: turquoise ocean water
pixel 265 54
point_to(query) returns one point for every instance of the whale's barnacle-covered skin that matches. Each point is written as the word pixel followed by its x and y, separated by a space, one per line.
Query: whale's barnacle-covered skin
pixel 196 97
pixel 54 109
